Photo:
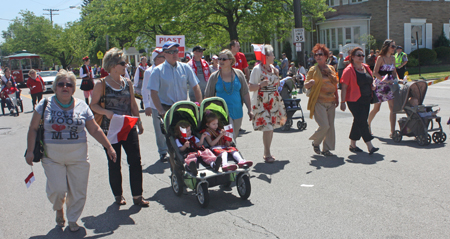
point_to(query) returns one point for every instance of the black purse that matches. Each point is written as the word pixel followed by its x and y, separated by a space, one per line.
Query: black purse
pixel 374 98
pixel 39 143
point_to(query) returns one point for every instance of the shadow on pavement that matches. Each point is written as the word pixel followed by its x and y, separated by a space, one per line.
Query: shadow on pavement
pixel 187 204
pixel 364 158
pixel 320 161
pixel 157 168
pixel 289 131
pixel 411 142
pixel 266 170
pixel 110 220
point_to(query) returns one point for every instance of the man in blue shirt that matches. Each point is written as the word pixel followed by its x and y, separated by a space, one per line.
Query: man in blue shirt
pixel 169 81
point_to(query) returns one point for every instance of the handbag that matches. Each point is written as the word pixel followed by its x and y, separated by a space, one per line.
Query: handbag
pixel 374 98
pixel 38 151
pixel 99 117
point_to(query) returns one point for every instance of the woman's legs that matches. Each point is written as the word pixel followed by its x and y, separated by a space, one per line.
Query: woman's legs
pixel 131 147
pixel 87 93
pixel 324 115
pixel 77 179
pixel 267 141
pixel 360 128
pixel 392 116
pixel 376 108
pixel 114 171
pixel 237 123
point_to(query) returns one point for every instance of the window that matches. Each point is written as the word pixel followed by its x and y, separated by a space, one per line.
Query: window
pixel 25 64
pixel 348 35
pixel 340 36
pixel 328 38
pixel 358 1
pixel 356 35
pixel 35 63
pixel 333 39
pixel 417 35
pixel 15 65
pixel 333 3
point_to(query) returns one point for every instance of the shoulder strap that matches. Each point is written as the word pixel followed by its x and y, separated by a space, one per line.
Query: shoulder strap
pixel 43 111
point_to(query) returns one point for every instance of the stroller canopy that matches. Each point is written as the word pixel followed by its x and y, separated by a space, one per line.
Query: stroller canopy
pixel 181 110
pixel 416 89
pixel 218 106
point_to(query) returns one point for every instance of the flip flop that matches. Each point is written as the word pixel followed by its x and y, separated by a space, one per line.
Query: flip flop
pixel 268 159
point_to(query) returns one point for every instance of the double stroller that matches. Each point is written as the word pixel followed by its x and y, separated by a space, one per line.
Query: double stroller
pixel 286 89
pixel 206 177
pixel 419 121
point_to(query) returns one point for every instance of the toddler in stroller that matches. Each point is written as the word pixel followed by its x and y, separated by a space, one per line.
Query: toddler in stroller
pixel 217 138
pixel 10 96
pixel 192 148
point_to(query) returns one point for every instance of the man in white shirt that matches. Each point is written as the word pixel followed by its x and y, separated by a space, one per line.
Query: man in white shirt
pixel 138 77
pixel 150 109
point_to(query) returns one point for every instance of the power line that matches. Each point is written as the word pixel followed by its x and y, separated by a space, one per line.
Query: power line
pixel 51 13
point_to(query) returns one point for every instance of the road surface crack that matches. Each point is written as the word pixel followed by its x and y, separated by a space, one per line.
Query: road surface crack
pixel 252 224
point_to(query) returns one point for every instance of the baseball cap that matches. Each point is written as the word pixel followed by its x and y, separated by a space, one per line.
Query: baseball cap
pixel 197 48
pixel 399 47
pixel 215 57
pixel 170 44
pixel 156 52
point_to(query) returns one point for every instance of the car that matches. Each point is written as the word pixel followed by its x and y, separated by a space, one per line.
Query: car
pixel 48 77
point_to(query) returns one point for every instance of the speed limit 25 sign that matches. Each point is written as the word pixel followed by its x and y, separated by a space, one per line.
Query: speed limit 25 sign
pixel 299 35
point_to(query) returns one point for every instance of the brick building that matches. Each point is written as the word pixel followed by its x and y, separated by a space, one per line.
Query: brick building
pixel 399 20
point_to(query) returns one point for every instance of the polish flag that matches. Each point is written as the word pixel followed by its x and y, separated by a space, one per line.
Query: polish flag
pixel 119 127
pixel 259 52
pixel 228 136
pixel 30 179
pixel 183 132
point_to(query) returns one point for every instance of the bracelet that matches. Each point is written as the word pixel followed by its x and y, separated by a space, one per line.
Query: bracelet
pixel 139 122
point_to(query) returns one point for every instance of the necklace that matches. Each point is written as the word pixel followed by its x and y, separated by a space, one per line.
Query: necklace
pixel 231 87
pixel 65 106
pixel 119 84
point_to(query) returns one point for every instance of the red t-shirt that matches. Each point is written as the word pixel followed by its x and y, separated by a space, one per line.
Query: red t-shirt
pixel 241 61
pixel 36 85
pixel 347 58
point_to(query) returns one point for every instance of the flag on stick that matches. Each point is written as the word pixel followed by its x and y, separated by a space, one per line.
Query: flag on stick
pixel 183 132
pixel 30 179
pixel 119 127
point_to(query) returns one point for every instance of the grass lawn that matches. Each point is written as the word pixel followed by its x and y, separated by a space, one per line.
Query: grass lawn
pixel 429 76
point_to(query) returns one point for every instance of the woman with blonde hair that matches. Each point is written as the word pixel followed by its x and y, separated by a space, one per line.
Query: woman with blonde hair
pixel 66 161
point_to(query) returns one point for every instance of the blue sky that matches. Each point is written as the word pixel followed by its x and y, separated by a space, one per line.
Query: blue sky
pixel 9 10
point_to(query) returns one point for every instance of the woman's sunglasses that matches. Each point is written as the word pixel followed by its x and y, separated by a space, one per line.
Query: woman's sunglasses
pixel 318 54
pixel 66 84
pixel 360 55
pixel 123 63
pixel 393 46
pixel 222 59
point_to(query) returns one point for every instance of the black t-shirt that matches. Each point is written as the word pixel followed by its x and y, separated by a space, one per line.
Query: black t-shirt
pixel 364 81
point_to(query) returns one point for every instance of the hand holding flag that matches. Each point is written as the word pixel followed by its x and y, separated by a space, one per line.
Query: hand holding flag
pixel 228 136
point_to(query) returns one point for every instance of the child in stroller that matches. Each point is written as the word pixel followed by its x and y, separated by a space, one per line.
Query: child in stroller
pixel 192 148
pixel 9 95
pixel 220 144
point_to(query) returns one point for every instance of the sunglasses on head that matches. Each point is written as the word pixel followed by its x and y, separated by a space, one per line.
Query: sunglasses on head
pixel 123 63
pixel 318 54
pixel 66 84
pixel 222 59
pixel 171 51
pixel 360 55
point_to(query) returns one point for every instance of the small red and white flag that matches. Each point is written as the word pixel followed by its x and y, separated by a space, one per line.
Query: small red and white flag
pixel 183 132
pixel 260 53
pixel 228 136
pixel 30 179
pixel 119 127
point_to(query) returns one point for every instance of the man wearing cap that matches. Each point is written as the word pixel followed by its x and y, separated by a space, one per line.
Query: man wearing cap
pixel 169 81
pixel 150 109
pixel 400 62
pixel 201 69
pixel 215 64
pixel 241 61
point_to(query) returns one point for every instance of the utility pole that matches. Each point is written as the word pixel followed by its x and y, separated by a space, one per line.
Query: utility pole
pixel 51 13
pixel 299 24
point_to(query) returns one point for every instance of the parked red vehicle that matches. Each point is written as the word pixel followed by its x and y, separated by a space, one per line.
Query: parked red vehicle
pixel 20 64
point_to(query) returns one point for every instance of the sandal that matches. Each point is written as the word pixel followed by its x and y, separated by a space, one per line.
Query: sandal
pixel 73 226
pixel 316 148
pixel 373 150
pixel 269 159
pixel 355 149
pixel 120 200
pixel 140 202
pixel 60 221
pixel 327 153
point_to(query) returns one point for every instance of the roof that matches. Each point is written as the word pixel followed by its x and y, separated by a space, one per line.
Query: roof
pixel 23 55
pixel 347 18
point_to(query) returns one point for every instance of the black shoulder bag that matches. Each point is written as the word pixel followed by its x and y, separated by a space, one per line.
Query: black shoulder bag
pixel 39 143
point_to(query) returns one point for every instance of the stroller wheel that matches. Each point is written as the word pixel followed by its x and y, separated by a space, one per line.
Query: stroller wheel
pixel 397 136
pixel 439 137
pixel 443 137
pixel 243 186
pixel 422 140
pixel 203 195
pixel 301 125
pixel 177 183
pixel 428 139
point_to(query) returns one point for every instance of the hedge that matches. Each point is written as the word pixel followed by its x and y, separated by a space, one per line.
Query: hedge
pixel 427 56
pixel 443 54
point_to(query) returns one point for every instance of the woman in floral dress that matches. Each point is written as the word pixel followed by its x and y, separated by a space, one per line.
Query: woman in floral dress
pixel 385 65
pixel 267 104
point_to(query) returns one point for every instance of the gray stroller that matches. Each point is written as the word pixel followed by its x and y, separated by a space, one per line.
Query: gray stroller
pixel 420 118
pixel 287 86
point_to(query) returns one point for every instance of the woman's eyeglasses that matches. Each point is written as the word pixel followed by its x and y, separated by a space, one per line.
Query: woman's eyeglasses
pixel 123 63
pixel 222 59
pixel 66 84
pixel 318 54
pixel 360 55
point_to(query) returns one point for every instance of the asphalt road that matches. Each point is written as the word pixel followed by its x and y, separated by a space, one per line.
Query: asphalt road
pixel 400 192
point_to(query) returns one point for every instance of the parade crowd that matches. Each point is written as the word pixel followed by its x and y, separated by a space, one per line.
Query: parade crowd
pixel 66 120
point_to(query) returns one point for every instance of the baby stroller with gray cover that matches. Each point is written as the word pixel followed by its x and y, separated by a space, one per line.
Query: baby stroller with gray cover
pixel 420 118
pixel 206 177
